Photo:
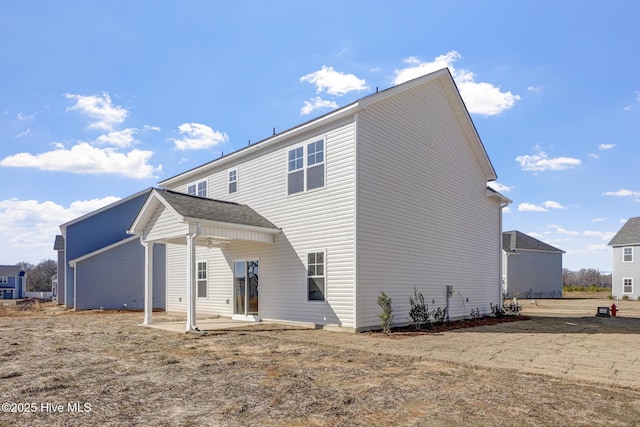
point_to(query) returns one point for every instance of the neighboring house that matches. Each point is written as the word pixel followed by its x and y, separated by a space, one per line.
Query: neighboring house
pixel 386 194
pixel 102 265
pixel 625 280
pixel 530 268
pixel 13 282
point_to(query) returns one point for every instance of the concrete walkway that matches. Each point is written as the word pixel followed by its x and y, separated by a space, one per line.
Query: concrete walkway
pixel 206 324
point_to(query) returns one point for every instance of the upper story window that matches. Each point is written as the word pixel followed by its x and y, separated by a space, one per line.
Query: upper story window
pixel 3 280
pixel 233 180
pixel 306 175
pixel 627 254
pixel 198 189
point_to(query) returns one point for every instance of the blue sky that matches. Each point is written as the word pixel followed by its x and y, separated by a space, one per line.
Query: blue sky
pixel 99 100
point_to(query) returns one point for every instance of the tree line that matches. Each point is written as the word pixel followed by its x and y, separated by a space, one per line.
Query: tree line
pixel 39 275
pixel 586 277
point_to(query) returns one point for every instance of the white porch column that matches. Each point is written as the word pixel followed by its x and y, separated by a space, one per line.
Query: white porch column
pixel 191 282
pixel 148 283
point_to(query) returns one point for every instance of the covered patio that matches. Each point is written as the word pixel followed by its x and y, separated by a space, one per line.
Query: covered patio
pixel 175 218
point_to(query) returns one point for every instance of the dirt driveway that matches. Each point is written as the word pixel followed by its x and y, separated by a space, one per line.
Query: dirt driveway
pixel 549 370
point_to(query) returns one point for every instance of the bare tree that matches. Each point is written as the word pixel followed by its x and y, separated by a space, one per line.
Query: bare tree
pixel 39 276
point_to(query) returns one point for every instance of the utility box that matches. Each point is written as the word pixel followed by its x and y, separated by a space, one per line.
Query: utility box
pixel 603 312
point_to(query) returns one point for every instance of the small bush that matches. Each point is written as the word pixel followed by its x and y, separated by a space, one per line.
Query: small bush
pixel 504 310
pixel 419 312
pixel 625 297
pixel 386 317
pixel 439 315
pixel 475 314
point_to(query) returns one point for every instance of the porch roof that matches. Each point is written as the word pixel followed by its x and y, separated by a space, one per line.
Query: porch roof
pixel 220 219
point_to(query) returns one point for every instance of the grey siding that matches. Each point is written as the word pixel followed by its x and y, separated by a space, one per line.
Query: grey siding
pixel 534 275
pixel 61 278
pixel 423 216
pixel 622 270
pixel 115 277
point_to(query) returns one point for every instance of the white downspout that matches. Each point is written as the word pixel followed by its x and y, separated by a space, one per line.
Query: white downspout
pixel 194 231
pixel 148 282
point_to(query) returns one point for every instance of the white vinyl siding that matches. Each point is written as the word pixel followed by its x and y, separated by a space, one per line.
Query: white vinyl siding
pixel 432 228
pixel 624 270
pixel 315 219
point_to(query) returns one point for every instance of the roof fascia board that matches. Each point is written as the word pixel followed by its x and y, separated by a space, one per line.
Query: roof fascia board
pixel 231 225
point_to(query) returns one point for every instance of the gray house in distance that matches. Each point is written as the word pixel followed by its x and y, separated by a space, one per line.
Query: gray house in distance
pixel 13 282
pixel 100 265
pixel 530 268
pixel 626 266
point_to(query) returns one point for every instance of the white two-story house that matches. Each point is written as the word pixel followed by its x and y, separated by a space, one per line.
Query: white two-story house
pixel 625 278
pixel 310 225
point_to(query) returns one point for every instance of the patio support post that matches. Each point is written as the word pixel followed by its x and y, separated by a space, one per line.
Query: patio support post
pixel 191 282
pixel 148 283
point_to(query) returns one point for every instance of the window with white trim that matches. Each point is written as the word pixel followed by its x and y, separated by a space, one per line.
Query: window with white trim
pixel 627 285
pixel 202 279
pixel 627 254
pixel 305 166
pixel 233 180
pixel 198 189
pixel 4 280
pixel 316 276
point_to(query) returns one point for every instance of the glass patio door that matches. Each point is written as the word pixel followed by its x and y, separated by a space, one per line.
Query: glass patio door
pixel 245 287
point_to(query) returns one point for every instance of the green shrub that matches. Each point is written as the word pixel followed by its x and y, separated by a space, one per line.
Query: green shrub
pixel 590 288
pixel 386 317
pixel 504 310
pixel 419 312
pixel 475 314
pixel 625 297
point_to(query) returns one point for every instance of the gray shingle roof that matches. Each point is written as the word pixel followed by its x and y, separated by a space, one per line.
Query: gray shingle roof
pixel 515 240
pixel 10 270
pixel 214 210
pixel 629 234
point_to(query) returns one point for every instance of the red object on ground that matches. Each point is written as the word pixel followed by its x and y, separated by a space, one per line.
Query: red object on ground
pixel 614 309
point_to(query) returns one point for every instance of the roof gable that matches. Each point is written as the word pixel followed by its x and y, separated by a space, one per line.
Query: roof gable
pixel 629 234
pixel 442 77
pixel 192 209
pixel 513 241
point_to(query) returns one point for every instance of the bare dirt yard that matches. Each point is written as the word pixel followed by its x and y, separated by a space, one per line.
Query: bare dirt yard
pixel 562 367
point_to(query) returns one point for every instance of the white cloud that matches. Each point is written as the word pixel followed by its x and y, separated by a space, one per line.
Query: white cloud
pixel 501 188
pixel 24 133
pixel 544 207
pixel 566 232
pixel 198 136
pixel 25 117
pixel 119 138
pixel 535 89
pixel 101 109
pixel 604 235
pixel 598 219
pixel 506 210
pixel 333 82
pixel 479 97
pixel 29 227
pixel 606 146
pixel 85 159
pixel 550 204
pixel 623 193
pixel 541 162
pixel 529 207
pixel 317 103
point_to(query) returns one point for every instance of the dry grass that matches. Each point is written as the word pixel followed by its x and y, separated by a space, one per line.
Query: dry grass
pixel 269 375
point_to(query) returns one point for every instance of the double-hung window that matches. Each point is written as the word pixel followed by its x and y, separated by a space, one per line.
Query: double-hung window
pixel 3 280
pixel 198 189
pixel 316 276
pixel 305 166
pixel 627 254
pixel 627 285
pixel 233 180
pixel 202 279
